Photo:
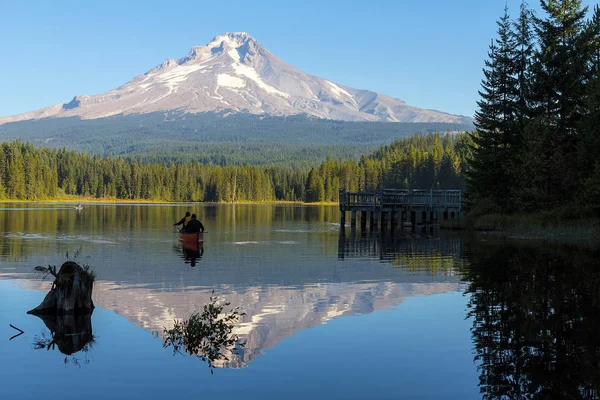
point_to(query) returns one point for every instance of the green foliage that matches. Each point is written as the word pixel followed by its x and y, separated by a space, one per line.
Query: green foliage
pixel 45 271
pixel 52 270
pixel 238 139
pixel 422 161
pixel 537 124
pixel 207 335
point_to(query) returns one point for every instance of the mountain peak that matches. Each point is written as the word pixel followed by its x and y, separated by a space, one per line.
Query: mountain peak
pixel 233 39
pixel 230 40
pixel 235 73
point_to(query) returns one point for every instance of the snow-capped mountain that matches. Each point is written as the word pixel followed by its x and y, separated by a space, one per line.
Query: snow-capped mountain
pixel 235 73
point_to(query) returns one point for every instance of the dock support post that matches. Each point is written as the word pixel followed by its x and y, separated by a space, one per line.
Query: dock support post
pixel 363 221
pixel 353 219
pixel 376 219
pixel 342 243
pixel 371 220
pixel 342 218
pixel 395 214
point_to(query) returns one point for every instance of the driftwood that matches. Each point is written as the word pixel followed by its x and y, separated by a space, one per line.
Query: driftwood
pixel 71 292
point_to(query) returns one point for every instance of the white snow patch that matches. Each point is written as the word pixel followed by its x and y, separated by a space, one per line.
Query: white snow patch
pixel 251 73
pixel 230 81
pixel 338 91
pixel 233 53
pixel 174 77
pixel 177 75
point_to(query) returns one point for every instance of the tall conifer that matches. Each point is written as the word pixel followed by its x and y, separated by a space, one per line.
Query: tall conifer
pixel 490 173
pixel 559 69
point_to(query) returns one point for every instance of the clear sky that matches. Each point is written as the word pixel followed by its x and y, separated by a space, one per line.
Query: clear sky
pixel 426 52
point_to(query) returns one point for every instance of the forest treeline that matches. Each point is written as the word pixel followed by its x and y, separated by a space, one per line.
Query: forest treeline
pixel 218 139
pixel 28 172
pixel 538 119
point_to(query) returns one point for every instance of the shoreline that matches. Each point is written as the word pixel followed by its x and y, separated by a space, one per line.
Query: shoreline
pixel 544 225
pixel 157 202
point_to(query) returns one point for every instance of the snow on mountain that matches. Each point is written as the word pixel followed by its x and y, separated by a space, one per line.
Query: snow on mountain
pixel 235 73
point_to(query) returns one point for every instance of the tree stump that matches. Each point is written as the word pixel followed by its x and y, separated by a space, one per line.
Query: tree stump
pixel 71 292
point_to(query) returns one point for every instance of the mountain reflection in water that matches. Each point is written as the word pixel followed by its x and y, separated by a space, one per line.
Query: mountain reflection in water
pixel 275 308
pixel 532 310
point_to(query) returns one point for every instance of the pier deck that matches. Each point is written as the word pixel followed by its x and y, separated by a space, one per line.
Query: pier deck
pixel 401 206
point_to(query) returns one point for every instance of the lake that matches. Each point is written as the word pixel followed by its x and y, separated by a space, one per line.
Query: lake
pixel 329 313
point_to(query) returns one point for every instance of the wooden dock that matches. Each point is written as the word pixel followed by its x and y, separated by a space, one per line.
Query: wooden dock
pixel 400 207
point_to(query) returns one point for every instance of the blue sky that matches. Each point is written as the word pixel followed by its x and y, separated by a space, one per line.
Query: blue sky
pixel 428 52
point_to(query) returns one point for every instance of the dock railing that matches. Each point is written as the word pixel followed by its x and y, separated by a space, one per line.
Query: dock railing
pixel 431 199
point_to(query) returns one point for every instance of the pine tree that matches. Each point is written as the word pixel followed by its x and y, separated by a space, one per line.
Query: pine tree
pixel 523 40
pixel 490 169
pixel 559 68
pixel 560 64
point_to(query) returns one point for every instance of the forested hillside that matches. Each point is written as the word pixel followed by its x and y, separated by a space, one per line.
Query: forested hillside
pixel 424 161
pixel 538 123
pixel 217 139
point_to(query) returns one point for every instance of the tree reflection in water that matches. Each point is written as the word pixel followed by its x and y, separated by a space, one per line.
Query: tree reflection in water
pixel 208 335
pixel 69 334
pixel 535 321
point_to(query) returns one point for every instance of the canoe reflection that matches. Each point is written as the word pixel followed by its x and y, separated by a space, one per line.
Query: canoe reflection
pixel 191 251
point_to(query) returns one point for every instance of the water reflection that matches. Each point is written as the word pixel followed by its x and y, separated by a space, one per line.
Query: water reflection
pixel 535 321
pixel 280 263
pixel 190 251
pixel 69 334
pixel 424 252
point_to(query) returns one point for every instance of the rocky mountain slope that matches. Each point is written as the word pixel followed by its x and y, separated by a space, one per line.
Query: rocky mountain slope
pixel 235 73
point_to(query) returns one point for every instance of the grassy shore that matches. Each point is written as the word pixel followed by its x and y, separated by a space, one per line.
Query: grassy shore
pixel 556 225
pixel 86 200
pixel 92 200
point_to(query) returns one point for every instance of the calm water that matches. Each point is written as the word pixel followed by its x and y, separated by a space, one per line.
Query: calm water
pixel 330 313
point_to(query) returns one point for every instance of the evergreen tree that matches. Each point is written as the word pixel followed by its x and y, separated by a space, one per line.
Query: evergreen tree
pixel 559 69
pixel 589 145
pixel 490 175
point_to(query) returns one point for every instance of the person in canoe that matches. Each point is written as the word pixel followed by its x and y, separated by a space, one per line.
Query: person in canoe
pixel 194 226
pixel 184 221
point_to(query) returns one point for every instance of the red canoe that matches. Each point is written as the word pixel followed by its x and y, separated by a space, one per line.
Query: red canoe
pixel 191 237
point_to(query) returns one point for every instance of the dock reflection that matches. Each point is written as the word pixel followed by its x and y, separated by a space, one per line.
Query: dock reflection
pixel 424 243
